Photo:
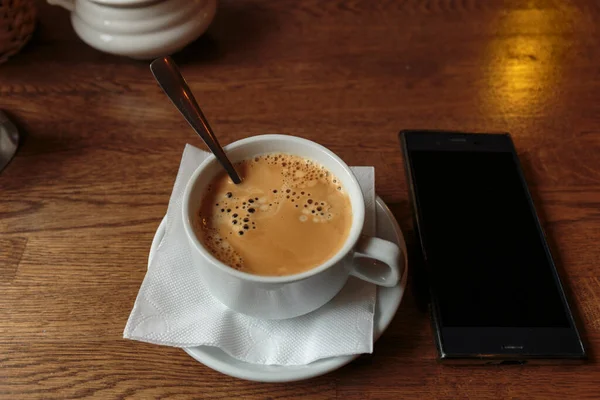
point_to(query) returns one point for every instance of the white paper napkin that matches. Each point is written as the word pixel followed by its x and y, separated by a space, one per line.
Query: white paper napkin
pixel 174 308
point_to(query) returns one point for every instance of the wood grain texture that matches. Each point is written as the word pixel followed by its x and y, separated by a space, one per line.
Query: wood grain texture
pixel 81 201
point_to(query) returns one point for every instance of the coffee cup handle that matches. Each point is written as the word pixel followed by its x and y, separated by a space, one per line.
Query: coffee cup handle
pixel 380 250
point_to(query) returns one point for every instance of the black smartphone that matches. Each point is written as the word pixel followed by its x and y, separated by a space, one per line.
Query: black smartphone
pixel 495 294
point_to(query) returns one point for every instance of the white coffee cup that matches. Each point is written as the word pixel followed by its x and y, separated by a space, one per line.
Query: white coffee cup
pixel 280 297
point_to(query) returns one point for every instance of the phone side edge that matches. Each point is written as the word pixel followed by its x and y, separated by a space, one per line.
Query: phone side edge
pixel 426 294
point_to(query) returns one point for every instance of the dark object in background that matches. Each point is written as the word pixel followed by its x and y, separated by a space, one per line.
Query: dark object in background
pixel 17 23
pixel 9 140
pixel 496 296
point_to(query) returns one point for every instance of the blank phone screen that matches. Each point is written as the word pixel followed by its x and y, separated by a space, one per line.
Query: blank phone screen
pixel 485 254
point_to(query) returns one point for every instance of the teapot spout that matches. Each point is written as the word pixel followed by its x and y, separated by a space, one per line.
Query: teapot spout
pixel 67 4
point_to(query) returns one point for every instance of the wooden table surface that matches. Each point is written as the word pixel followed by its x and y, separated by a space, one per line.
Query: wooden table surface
pixel 82 199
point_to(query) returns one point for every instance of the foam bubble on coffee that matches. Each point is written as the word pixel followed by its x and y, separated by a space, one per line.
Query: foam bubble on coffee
pixel 263 225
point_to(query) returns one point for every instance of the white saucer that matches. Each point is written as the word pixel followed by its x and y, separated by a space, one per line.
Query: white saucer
pixel 388 300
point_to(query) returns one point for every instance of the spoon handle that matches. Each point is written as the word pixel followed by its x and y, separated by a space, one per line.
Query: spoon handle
pixel 171 81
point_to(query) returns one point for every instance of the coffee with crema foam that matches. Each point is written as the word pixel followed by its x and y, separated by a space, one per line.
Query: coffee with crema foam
pixel 288 215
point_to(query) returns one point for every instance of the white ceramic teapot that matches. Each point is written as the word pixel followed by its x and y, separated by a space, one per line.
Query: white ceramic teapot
pixel 141 29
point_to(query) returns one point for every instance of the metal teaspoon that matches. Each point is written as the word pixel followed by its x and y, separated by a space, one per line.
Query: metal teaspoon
pixel 171 81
